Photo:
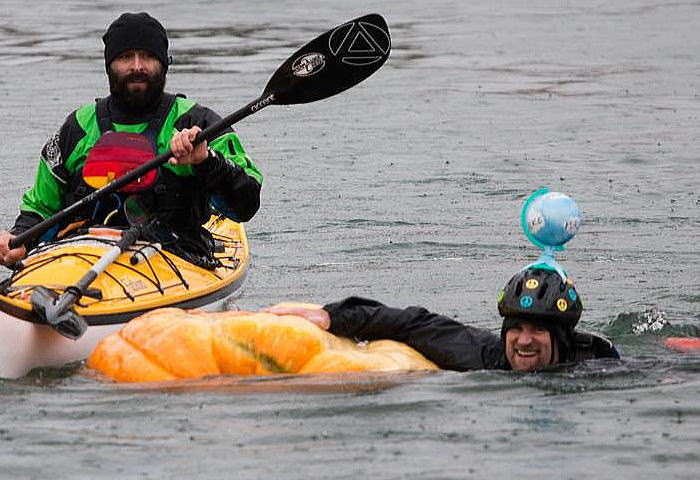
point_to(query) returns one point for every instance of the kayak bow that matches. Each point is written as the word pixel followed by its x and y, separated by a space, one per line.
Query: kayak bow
pixel 143 278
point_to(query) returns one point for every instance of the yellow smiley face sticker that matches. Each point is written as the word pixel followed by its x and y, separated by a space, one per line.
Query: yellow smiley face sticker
pixel 532 284
pixel 562 305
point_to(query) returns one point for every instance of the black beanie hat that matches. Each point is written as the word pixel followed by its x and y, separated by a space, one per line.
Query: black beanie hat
pixel 137 31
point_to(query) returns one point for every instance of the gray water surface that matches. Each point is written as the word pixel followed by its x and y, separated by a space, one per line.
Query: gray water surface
pixel 407 189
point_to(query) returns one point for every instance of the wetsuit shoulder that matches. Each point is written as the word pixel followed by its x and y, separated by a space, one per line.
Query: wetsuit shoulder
pixel 589 345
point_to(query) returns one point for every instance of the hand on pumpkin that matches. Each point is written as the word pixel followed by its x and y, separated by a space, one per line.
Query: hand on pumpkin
pixel 317 316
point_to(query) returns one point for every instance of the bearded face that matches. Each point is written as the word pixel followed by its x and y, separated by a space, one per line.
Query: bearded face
pixel 137 92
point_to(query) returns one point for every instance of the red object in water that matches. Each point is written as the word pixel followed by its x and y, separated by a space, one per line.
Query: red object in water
pixel 683 344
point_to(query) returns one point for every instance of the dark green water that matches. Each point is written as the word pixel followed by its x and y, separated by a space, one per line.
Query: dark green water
pixel 406 188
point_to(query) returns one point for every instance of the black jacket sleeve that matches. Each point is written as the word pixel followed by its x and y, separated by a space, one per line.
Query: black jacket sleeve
pixel 590 345
pixel 446 342
pixel 45 197
pixel 230 185
pixel 228 174
pixel 26 220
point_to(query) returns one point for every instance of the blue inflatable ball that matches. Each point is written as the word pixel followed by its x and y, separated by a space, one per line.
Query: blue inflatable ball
pixel 550 219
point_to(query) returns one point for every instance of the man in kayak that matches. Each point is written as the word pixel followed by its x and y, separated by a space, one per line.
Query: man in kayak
pixel 219 173
pixel 539 310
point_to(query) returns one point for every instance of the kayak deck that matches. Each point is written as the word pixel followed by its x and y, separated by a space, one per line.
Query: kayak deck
pixel 126 290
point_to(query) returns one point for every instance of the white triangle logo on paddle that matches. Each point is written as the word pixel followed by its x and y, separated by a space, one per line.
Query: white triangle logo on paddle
pixel 359 43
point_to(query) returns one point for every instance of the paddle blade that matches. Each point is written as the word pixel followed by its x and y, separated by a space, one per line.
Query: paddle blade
pixel 332 62
pixel 57 312
pixel 114 155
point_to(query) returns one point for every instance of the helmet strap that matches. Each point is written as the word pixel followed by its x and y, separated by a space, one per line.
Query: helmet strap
pixel 554 348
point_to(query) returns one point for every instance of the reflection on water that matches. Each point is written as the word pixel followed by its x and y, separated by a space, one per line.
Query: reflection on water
pixel 229 384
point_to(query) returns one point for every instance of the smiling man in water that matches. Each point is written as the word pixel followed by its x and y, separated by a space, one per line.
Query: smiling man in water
pixel 540 311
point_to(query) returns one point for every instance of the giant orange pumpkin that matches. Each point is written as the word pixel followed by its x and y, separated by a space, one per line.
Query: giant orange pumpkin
pixel 170 343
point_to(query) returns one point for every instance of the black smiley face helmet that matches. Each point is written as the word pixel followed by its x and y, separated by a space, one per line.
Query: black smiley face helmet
pixel 541 295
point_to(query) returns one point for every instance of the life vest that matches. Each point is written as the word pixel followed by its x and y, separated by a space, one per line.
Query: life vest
pixel 180 203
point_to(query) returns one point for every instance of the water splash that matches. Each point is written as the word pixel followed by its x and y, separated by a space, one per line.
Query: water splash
pixel 650 321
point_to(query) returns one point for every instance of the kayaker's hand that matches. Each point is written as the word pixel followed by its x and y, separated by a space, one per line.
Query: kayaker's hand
pixel 9 257
pixel 184 153
pixel 317 316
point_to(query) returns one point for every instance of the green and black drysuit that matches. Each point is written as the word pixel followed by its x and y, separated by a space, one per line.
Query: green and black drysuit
pixel 181 197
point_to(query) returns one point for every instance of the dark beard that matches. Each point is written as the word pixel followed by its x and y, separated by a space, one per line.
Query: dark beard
pixel 141 101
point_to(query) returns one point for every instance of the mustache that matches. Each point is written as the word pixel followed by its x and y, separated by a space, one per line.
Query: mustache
pixel 137 77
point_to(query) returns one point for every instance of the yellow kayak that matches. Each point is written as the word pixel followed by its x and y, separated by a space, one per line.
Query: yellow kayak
pixel 143 278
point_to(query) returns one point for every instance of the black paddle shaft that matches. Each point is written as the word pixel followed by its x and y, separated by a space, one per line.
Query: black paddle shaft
pixel 329 64
pixel 206 134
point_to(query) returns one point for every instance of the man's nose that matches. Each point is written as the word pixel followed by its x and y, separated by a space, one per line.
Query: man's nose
pixel 137 62
pixel 525 337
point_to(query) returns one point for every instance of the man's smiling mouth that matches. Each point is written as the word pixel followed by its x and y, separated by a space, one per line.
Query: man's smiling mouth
pixel 526 352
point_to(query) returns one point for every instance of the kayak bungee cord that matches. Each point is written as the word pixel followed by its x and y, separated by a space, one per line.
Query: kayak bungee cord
pixel 91 259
